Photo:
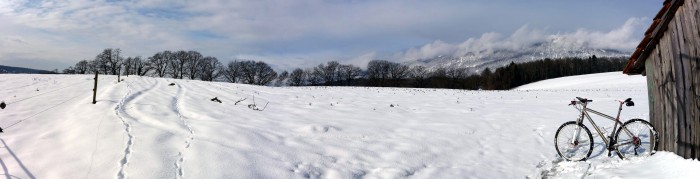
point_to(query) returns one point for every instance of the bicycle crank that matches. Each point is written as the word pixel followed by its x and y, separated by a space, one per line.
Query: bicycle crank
pixel 611 146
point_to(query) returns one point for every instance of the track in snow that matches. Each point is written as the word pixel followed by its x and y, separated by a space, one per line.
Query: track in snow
pixel 190 138
pixel 122 114
pixel 119 110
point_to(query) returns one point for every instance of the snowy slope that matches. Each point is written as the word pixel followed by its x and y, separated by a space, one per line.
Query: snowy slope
pixel 145 128
pixel 600 81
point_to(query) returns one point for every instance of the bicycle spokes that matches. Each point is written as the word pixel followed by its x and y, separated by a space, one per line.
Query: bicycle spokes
pixel 573 141
pixel 639 139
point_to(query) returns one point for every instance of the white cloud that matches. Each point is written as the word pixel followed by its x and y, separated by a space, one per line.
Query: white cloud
pixel 624 38
pixel 362 60
pixel 282 31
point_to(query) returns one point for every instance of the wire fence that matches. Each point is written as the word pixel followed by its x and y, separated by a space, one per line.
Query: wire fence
pixel 49 108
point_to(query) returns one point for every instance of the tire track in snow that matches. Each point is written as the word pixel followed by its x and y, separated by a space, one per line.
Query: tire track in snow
pixel 120 110
pixel 190 138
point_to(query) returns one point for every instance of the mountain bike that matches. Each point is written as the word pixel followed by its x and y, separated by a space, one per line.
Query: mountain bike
pixel 635 137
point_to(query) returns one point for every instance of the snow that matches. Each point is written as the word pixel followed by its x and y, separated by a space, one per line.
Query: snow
pixel 145 128
pixel 607 81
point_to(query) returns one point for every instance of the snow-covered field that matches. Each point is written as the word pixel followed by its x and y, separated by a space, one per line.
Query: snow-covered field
pixel 146 128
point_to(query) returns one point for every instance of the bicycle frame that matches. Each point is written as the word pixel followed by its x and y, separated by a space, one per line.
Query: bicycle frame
pixel 585 112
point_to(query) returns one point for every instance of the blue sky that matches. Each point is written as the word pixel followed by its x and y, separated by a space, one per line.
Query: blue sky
pixel 48 34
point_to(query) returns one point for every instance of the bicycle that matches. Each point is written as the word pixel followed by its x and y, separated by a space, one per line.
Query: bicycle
pixel 636 137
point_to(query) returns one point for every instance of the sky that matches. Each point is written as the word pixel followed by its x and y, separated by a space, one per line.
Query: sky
pixel 55 34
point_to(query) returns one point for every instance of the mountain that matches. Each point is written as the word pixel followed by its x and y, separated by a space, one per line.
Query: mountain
pixel 9 69
pixel 499 55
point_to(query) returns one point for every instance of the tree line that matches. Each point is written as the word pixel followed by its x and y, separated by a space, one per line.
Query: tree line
pixel 179 64
pixel 379 73
pixel 383 73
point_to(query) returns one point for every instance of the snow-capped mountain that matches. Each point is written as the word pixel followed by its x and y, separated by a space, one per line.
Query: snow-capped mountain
pixel 500 56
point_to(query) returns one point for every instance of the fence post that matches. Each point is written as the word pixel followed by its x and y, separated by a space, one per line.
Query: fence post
pixel 94 90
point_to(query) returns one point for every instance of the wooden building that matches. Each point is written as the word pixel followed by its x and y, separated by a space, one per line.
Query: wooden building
pixel 669 56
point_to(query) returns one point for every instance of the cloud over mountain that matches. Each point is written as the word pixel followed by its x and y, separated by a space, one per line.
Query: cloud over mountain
pixel 56 33
pixel 623 38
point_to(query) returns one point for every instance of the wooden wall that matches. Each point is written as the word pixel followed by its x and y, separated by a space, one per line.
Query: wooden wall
pixel 673 76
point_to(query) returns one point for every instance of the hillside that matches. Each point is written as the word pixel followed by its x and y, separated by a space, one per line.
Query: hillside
pixel 478 57
pixel 146 128
pixel 9 69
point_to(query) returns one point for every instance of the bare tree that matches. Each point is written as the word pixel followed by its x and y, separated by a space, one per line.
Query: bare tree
pixel 69 70
pixel 378 71
pixel 264 74
pixel 140 67
pixel 232 73
pixel 192 64
pixel 252 72
pixel 420 75
pixel 297 77
pixel 318 76
pixel 314 76
pixel 160 62
pixel 128 66
pixel 110 61
pixel 457 73
pixel 81 67
pixel 93 66
pixel 247 71
pixel 282 78
pixel 329 72
pixel 177 64
pixel 348 73
pixel 210 69
pixel 455 76
pixel 397 72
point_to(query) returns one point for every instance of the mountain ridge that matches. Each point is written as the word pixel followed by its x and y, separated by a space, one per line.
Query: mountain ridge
pixel 494 56
pixel 21 70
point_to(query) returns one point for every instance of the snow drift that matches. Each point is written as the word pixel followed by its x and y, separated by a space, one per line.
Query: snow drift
pixel 145 128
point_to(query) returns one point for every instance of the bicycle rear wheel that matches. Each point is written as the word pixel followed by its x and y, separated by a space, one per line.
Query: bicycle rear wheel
pixel 641 140
pixel 573 142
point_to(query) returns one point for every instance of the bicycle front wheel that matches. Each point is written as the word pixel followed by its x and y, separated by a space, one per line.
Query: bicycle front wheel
pixel 636 138
pixel 573 142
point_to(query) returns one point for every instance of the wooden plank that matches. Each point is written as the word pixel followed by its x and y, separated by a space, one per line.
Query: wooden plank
pixel 692 35
pixel 651 70
pixel 682 63
pixel 692 40
pixel 693 103
pixel 681 71
pixel 656 115
pixel 661 82
pixel 661 105
pixel 685 49
pixel 673 87
pixel 667 91
pixel 663 94
pixel 695 73
pixel 658 101
pixel 675 57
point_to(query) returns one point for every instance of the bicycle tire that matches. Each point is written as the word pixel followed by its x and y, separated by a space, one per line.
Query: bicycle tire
pixel 651 138
pixel 565 133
